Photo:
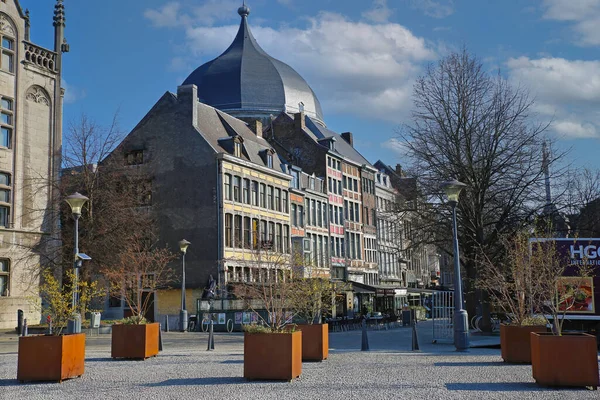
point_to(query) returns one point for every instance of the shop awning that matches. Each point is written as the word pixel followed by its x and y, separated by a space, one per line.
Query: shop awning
pixel 362 288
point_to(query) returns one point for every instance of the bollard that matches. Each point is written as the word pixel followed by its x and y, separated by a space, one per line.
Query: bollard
pixel 365 340
pixel 160 338
pixel 20 322
pixel 166 323
pixel 211 338
pixel 415 337
pixel 25 327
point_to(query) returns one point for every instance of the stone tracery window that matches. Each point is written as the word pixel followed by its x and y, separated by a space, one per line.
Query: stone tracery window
pixel 7 44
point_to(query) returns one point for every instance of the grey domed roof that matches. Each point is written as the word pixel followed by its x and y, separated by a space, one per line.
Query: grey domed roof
pixel 246 81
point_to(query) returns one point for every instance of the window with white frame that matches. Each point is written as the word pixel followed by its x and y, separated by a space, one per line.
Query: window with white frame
pixel 5 195
pixel 4 277
pixel 7 61
pixel 6 121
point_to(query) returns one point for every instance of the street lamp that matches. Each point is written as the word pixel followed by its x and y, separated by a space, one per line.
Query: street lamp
pixel 183 315
pixel 461 327
pixel 76 202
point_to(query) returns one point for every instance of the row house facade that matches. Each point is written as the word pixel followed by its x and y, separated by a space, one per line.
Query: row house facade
pixel 310 224
pixel 350 189
pixel 416 264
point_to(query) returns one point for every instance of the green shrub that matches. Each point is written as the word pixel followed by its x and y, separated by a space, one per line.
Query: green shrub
pixel 134 320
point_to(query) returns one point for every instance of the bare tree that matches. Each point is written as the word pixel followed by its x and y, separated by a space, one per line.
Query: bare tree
pixel 478 128
pixel 582 201
pixel 140 267
pixel 269 284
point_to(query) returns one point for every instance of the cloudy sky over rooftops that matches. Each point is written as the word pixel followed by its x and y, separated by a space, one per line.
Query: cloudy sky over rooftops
pixel 360 57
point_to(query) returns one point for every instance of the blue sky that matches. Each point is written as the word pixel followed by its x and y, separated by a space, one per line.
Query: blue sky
pixel 360 56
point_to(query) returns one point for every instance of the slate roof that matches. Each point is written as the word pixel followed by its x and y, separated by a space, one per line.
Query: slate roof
pixel 245 80
pixel 216 126
pixel 341 146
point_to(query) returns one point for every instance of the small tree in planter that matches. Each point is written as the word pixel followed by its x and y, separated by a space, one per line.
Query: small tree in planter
pixel 511 288
pixel 271 350
pixel 63 354
pixel 561 286
pixel 140 268
pixel 312 298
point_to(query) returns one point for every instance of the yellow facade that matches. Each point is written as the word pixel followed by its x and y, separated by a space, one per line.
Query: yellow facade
pixel 169 301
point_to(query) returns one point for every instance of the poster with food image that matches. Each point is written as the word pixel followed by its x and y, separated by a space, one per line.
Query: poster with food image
pixel 576 294
pixel 221 319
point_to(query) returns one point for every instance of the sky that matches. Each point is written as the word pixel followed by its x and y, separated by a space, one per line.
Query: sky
pixel 361 57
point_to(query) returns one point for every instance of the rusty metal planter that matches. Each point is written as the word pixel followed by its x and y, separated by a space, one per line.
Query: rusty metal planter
pixel 273 356
pixel 315 342
pixel 51 358
pixel 134 341
pixel 515 342
pixel 567 360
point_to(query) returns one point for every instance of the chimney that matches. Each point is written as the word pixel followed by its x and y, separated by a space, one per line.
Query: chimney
pixel 347 136
pixel 188 94
pixel 399 170
pixel 299 121
pixel 256 127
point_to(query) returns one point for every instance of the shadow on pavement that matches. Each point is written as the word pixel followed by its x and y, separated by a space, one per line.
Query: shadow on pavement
pixel 200 382
pixel 232 362
pixel 473 364
pixel 496 387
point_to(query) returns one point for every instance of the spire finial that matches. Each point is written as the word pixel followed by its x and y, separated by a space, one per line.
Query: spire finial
pixel 244 10
pixel 59 13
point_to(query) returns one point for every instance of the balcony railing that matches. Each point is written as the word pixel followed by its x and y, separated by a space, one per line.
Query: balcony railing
pixel 43 58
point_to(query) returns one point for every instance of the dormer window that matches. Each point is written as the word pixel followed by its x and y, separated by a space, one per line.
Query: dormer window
pixel 237 149
pixel 135 157
pixel 267 157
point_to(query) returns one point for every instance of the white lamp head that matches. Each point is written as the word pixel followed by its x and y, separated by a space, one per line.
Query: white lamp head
pixel 76 201
pixel 452 189
pixel 183 245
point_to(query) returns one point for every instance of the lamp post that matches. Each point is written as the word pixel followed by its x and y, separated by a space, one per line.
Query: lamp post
pixel 461 327
pixel 76 202
pixel 183 315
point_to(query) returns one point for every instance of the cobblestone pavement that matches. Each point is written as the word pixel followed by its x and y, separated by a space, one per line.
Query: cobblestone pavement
pixel 390 370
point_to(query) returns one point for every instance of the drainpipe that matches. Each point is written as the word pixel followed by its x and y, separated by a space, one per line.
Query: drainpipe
pixel 221 250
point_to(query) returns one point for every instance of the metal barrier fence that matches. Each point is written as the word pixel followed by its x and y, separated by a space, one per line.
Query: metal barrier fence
pixel 442 315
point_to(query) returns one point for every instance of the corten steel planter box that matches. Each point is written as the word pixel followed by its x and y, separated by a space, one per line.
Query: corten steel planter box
pixel 515 342
pixel 315 342
pixel 51 358
pixel 273 356
pixel 567 360
pixel 135 341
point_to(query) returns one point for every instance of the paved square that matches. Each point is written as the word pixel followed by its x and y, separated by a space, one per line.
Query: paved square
pixel 389 371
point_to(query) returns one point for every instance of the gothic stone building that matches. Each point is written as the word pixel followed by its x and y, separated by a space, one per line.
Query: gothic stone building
pixel 30 143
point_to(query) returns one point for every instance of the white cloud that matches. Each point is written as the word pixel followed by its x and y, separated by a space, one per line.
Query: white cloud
pixel 165 17
pixel 379 13
pixel 355 67
pixel 566 90
pixel 398 146
pixel 211 11
pixel 584 14
pixel 575 129
pixel 72 93
pixel 559 79
pixel 434 9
